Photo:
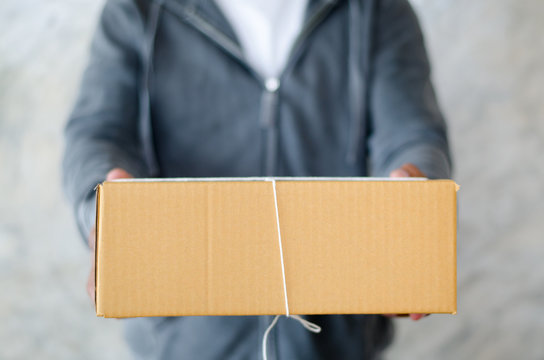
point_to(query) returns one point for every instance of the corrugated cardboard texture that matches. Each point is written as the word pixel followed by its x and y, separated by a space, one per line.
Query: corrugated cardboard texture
pixel 211 247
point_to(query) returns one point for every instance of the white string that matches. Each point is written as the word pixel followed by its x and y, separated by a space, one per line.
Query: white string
pixel 305 323
pixel 310 326
pixel 281 248
pixel 265 337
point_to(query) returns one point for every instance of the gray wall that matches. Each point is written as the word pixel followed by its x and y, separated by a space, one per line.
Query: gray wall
pixel 487 58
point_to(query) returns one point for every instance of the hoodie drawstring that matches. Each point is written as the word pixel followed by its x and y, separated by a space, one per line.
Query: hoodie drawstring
pixel 360 48
pixel 146 127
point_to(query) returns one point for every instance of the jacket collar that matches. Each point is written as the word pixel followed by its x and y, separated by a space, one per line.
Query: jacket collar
pixel 212 14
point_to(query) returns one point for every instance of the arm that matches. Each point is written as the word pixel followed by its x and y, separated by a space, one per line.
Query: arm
pixel 406 123
pixel 102 131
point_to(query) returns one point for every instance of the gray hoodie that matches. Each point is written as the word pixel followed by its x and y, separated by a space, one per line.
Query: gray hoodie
pixel 167 93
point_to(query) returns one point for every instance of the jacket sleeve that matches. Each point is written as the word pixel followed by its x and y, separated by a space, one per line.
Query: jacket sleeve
pixel 102 131
pixel 406 124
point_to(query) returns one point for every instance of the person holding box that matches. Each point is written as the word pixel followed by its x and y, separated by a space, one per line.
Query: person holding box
pixel 237 88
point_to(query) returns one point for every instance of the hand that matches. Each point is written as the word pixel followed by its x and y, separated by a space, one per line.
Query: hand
pixel 112 175
pixel 407 170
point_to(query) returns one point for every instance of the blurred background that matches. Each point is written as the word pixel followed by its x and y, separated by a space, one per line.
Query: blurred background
pixel 488 60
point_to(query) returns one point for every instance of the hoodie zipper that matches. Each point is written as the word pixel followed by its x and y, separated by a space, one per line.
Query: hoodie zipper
pixel 269 102
pixel 270 86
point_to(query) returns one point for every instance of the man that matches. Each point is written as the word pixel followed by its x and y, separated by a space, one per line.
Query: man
pixel 187 88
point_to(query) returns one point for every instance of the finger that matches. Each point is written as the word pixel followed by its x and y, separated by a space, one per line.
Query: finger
pixel 417 317
pixel 412 170
pixel 118 173
pixel 399 173
pixel 90 282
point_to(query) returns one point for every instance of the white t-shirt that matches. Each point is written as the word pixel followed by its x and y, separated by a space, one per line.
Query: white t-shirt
pixel 266 30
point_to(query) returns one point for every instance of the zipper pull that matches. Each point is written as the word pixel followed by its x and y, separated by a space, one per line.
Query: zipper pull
pixel 272 84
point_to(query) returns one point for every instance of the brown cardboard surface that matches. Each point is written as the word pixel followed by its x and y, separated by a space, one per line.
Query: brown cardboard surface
pixel 211 247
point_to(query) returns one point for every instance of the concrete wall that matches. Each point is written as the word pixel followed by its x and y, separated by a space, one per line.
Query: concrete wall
pixel 487 58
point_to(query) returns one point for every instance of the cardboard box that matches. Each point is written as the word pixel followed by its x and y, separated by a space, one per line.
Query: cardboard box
pixel 210 246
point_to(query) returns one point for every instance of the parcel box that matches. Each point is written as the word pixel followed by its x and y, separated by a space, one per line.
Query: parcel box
pixel 212 246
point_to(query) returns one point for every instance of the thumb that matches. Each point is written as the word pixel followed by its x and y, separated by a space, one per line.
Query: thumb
pixel 118 173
